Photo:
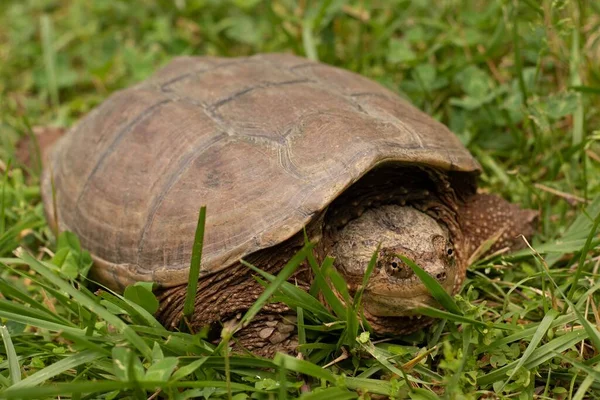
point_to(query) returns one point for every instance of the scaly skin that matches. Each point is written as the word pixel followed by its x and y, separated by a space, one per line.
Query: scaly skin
pixel 392 292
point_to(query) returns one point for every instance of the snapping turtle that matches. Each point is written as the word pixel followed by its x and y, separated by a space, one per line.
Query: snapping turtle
pixel 271 144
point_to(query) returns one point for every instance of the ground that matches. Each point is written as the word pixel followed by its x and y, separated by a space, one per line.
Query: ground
pixel 517 81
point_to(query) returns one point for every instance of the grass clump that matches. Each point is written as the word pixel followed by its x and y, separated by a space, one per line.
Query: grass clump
pixel 518 82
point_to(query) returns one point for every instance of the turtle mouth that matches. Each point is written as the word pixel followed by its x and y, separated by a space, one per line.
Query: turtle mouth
pixel 384 286
pixel 415 291
pixel 406 305
pixel 402 299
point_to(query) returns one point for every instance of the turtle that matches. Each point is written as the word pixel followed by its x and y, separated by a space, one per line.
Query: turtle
pixel 279 148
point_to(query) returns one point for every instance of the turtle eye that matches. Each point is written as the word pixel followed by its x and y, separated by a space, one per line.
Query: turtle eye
pixel 449 250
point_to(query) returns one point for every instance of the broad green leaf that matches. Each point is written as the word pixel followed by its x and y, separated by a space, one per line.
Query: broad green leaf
pixel 189 369
pixel 161 370
pixel 140 295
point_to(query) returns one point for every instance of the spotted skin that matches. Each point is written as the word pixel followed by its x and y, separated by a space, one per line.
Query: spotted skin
pixel 487 216
pixel 409 224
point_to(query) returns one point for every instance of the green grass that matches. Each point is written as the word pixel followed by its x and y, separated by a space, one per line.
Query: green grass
pixel 519 83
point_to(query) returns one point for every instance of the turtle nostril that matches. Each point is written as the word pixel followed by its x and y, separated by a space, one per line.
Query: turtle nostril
pixel 441 276
pixel 398 270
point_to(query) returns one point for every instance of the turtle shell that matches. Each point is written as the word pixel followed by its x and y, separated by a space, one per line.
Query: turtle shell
pixel 265 142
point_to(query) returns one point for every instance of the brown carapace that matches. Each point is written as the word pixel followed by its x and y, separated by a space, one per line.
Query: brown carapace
pixel 273 145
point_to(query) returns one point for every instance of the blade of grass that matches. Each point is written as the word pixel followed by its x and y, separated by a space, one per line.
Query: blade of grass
pixel 192 286
pixel 88 303
pixel 381 358
pixel 575 234
pixel 66 389
pixel 574 65
pixel 11 293
pixel 282 383
pixel 466 351
pixel 189 369
pixel 15 308
pixel 523 334
pixel 303 367
pixel 49 58
pixel 308 40
pixel 239 362
pixel 11 261
pixel 10 238
pixel 376 386
pixel 339 284
pixel 538 356
pixel 84 342
pixel 54 224
pixel 14 369
pixel 593 334
pixel 323 346
pixel 424 394
pixel 517 53
pixel 301 329
pixel 593 375
pixel 535 7
pixel 350 317
pixel 58 368
pixel 283 276
pixel 136 312
pixel 582 257
pixel 585 89
pixel 310 23
pixel 320 285
pixel 437 313
pixel 43 324
pixel 533 343
pixel 293 296
pixel 329 393
pixel 370 267
pixel 3 198
pixel 434 287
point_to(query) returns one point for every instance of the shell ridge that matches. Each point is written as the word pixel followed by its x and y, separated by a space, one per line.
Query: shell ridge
pixel 286 162
pixel 118 139
pixel 198 72
pixel 255 87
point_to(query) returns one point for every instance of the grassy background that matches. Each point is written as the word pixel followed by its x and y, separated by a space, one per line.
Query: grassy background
pixel 519 83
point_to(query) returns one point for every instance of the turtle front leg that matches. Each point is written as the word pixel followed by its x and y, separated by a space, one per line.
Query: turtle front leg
pixel 221 300
pixel 483 217
pixel 272 330
pixel 267 334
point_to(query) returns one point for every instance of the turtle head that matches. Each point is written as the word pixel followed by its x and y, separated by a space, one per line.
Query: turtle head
pixel 393 289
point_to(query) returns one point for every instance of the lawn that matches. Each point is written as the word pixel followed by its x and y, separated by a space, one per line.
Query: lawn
pixel 518 82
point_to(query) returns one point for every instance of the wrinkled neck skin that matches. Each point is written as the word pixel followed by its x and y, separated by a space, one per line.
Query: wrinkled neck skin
pixel 393 290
